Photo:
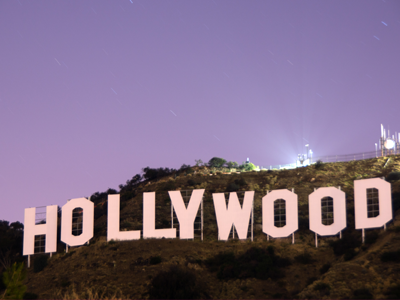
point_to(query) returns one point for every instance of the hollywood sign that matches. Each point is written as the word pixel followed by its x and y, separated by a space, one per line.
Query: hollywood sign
pixel 233 214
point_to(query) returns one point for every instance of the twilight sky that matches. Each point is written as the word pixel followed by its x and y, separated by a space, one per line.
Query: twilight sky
pixel 93 91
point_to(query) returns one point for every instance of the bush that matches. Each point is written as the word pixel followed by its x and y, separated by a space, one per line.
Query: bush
pixel 349 254
pixel 362 294
pixel 13 279
pixel 304 222
pixel 319 165
pixel 241 182
pixel 191 182
pixel 232 187
pixel 155 260
pixel 395 201
pixel 256 262
pixel 323 288
pixel 349 241
pixel 28 295
pixel 216 162
pixel 39 263
pixel 393 176
pixel 390 256
pixel 247 166
pixel 325 268
pixel 169 186
pixel 232 164
pixel 304 258
pixel 311 280
pixel 177 283
pixel 393 292
pixel 150 174
pixel 371 237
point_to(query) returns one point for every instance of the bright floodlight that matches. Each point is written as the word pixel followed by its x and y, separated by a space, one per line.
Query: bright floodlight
pixel 389 144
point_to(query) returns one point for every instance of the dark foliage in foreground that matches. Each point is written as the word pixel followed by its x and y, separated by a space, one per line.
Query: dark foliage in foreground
pixel 256 262
pixel 347 244
pixel 393 292
pixel 151 174
pixel 10 244
pixel 177 283
pixel 304 258
pixel 39 263
pixel 362 294
pixel 390 256
pixel 319 165
pixel 393 176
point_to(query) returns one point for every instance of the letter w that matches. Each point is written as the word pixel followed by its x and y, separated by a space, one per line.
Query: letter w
pixel 234 215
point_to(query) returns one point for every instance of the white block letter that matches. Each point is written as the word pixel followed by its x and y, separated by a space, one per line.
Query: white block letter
pixel 234 215
pixel 87 222
pixel 113 232
pixel 149 219
pixel 49 230
pixel 360 203
pixel 339 211
pixel 186 216
pixel 292 223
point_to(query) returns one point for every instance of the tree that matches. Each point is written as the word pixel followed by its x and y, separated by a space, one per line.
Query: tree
pixel 150 173
pixel 199 162
pixel 247 166
pixel 13 278
pixel 183 167
pixel 178 282
pixel 232 164
pixel 216 162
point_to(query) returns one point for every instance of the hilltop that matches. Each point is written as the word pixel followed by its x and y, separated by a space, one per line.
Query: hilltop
pixel 338 268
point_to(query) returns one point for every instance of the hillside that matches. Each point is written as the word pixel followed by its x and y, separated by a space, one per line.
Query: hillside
pixel 338 268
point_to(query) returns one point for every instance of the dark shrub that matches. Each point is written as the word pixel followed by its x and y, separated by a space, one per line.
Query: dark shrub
pixel 393 292
pixel 371 237
pixel 232 187
pixel 28 295
pixel 2 285
pixel 362 294
pixel 393 176
pixel 304 222
pixel 189 170
pixel 40 263
pixel 325 268
pixel 349 240
pixel 311 280
pixel 221 259
pixel 395 201
pixel 127 196
pixel 241 182
pixel 155 260
pixel 111 192
pixel 304 258
pixel 169 186
pixel 191 182
pixel 256 262
pixel 150 174
pixel 349 254
pixel 184 167
pixel 216 162
pixel 323 287
pixel 390 256
pixel 319 165
pixel 177 283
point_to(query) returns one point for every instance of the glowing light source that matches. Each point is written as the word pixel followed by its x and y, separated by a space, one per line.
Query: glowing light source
pixel 389 144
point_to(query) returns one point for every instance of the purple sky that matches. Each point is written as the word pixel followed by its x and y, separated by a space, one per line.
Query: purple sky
pixel 93 91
